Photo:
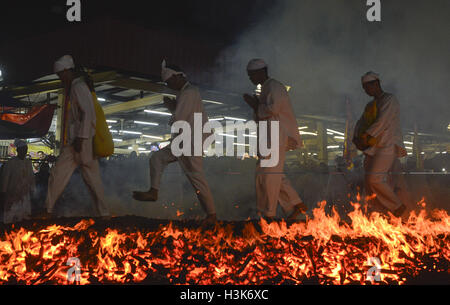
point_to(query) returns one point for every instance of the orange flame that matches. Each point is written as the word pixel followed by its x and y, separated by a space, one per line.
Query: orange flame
pixel 323 250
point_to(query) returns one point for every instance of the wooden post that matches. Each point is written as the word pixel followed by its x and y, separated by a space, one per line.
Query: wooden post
pixel 135 147
pixel 322 142
pixel 59 122
pixel 417 149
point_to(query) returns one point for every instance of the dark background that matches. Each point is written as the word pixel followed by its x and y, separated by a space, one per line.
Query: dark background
pixel 221 20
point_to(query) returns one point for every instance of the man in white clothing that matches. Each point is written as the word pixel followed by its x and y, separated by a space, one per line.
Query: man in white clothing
pixel 381 135
pixel 16 185
pixel 77 140
pixel 273 104
pixel 187 103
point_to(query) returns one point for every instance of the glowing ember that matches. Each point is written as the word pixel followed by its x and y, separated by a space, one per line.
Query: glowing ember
pixel 323 250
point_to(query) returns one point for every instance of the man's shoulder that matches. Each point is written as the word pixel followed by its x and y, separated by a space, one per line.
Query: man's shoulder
pixel 389 98
pixel 79 85
pixel 16 160
pixel 8 163
pixel 81 93
pixel 275 83
pixel 190 90
pixel 79 82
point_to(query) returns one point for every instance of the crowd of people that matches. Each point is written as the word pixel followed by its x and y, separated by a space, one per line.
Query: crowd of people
pixel 23 184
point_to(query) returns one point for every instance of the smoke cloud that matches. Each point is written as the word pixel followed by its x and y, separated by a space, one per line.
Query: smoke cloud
pixel 321 49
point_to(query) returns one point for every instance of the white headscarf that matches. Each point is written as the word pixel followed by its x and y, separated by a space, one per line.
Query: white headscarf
pixel 167 73
pixel 256 64
pixel 64 63
pixel 369 77
pixel 19 143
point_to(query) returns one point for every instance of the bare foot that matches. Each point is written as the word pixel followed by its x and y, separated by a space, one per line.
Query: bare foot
pixel 151 195
pixel 45 215
pixel 269 219
pixel 209 221
pixel 399 212
pixel 299 208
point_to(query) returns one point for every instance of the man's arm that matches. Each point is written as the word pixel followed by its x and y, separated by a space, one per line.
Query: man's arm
pixel 85 103
pixel 170 104
pixel 185 105
pixel 252 101
pixel 184 109
pixel 273 103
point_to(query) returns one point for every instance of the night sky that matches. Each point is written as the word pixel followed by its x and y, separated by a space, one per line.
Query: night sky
pixel 222 20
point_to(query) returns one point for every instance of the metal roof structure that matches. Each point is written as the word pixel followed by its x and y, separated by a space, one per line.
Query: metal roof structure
pixel 133 105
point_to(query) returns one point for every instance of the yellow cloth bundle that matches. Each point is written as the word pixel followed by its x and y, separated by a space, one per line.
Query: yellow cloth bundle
pixel 103 142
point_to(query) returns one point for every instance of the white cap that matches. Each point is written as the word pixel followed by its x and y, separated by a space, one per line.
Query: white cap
pixel 256 64
pixel 369 77
pixel 167 73
pixel 64 63
pixel 19 143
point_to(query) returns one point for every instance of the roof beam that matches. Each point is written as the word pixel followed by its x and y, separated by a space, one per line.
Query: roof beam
pixel 323 118
pixel 142 85
pixel 141 140
pixel 127 143
pixel 134 104
pixel 129 83
pixel 55 85
pixel 121 151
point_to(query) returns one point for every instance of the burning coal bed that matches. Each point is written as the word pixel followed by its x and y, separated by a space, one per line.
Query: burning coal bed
pixel 324 250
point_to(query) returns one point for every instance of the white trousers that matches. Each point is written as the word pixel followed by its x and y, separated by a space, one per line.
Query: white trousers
pixel 192 167
pixel 18 210
pixel 60 175
pixel 273 187
pixel 383 178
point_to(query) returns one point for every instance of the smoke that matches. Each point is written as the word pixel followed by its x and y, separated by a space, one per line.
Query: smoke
pixel 232 184
pixel 231 181
pixel 321 49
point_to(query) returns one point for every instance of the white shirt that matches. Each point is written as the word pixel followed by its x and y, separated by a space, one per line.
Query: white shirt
pixel 17 179
pixel 275 105
pixel 81 116
pixel 387 128
pixel 188 102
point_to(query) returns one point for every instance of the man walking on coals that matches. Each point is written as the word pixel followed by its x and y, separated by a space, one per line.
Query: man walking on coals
pixel 378 134
pixel 274 104
pixel 187 103
pixel 77 141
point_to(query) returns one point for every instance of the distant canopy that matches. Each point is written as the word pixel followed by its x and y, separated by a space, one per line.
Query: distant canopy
pixel 33 124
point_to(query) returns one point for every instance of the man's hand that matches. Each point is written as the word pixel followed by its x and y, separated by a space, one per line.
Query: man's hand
pixel 170 104
pixel 369 140
pixel 252 101
pixel 77 145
